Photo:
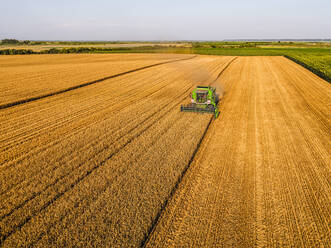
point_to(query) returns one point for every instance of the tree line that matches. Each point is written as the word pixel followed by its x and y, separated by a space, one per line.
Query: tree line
pixel 61 50
pixel 15 42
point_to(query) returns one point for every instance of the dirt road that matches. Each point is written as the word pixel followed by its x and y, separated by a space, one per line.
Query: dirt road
pixel 261 177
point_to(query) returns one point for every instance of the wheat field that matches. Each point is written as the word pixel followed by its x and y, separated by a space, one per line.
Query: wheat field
pixel 95 152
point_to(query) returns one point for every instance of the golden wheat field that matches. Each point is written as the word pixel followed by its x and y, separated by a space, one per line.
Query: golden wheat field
pixel 94 152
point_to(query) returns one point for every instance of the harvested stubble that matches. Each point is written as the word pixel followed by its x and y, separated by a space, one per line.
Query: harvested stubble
pixel 36 75
pixel 262 175
pixel 93 166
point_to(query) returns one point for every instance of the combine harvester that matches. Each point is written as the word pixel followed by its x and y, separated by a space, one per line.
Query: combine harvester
pixel 203 100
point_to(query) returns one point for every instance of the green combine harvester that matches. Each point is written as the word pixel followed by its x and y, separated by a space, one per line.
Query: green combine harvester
pixel 203 100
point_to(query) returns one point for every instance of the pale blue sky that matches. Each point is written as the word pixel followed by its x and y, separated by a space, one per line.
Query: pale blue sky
pixel 164 20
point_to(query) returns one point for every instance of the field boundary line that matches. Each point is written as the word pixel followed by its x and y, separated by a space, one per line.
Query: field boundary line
pixel 180 178
pixel 31 99
pixel 313 70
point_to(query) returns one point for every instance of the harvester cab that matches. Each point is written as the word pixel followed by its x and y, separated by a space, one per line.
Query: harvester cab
pixel 203 100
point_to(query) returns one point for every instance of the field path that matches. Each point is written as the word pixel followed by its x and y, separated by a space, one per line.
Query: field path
pixel 261 175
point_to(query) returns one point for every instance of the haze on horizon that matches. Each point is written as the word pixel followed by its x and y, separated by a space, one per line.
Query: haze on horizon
pixel 165 20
